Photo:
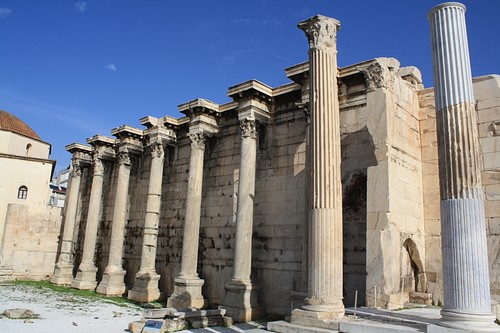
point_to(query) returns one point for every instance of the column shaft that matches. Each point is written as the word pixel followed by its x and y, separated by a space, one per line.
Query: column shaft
pixel 86 275
pixel 63 274
pixel 112 281
pixel 465 259
pixel 187 288
pixel 193 212
pixel 325 271
pixel 146 281
pixel 240 301
pixel 244 215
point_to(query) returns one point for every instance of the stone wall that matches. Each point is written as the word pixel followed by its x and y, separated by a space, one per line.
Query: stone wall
pixel 30 243
pixel 391 227
pixel 487 95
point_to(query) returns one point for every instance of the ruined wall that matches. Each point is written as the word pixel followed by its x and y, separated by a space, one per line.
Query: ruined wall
pixel 487 95
pixel 30 242
pixel 357 155
pixel 395 197
pixel 431 194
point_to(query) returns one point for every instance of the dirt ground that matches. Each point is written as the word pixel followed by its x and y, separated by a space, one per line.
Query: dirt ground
pixel 62 312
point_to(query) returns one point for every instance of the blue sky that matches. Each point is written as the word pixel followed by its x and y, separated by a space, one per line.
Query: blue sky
pixel 72 69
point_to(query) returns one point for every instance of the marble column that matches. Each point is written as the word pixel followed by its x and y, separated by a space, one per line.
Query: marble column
pixel 63 274
pixel 112 283
pixel 146 281
pixel 86 274
pixel 466 284
pixel 324 303
pixel 241 295
pixel 187 286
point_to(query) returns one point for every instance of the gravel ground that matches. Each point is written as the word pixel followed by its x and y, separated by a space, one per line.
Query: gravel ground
pixel 62 312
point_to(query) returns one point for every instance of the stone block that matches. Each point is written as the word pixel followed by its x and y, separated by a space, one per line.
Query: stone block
pixel 491 161
pixel 494 226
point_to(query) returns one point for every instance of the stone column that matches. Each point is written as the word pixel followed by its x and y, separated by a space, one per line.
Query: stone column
pixel 324 303
pixel 187 288
pixel 63 274
pixel 146 281
pixel 241 295
pixel 466 282
pixel 112 283
pixel 86 274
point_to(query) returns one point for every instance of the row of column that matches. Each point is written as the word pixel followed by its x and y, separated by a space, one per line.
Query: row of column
pixel 188 286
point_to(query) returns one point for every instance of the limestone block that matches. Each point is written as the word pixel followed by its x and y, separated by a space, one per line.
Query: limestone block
pixel 492 208
pixel 490 144
pixel 489 177
pixel 492 192
pixel 494 226
pixel 491 160
pixel 379 119
pixel 488 110
pixel 486 87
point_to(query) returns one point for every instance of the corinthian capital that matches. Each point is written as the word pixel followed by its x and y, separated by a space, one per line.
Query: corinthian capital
pixel 197 139
pixel 76 168
pixel 321 31
pixel 98 165
pixel 378 77
pixel 248 128
pixel 124 158
pixel 157 149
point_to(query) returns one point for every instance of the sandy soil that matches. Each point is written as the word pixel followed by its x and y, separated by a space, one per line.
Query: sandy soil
pixel 62 312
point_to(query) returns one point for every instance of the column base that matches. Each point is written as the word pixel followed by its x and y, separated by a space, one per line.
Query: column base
pixel 63 274
pixel 112 283
pixel 187 294
pixel 458 322
pixel 318 315
pixel 145 288
pixel 85 278
pixel 241 303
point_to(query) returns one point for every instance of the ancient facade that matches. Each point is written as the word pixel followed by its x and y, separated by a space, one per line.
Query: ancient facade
pixel 237 205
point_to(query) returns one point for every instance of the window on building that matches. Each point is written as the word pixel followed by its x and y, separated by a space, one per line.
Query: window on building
pixel 22 192
pixel 28 148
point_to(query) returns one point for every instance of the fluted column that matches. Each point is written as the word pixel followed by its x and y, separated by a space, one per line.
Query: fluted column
pixel 63 274
pixel 187 288
pixel 112 282
pixel 466 283
pixel 86 274
pixel 324 302
pixel 146 281
pixel 241 295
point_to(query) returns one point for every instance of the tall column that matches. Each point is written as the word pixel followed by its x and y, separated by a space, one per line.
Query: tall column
pixel 63 274
pixel 466 282
pixel 146 281
pixel 324 303
pixel 86 274
pixel 112 282
pixel 187 288
pixel 241 295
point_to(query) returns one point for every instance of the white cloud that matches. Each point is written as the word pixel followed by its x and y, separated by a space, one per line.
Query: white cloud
pixel 4 12
pixel 111 67
pixel 81 6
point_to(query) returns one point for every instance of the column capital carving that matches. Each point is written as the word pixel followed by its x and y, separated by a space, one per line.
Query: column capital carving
pixel 248 127
pixel 157 149
pixel 381 75
pixel 76 167
pixel 124 157
pixel 321 32
pixel 98 164
pixel 198 139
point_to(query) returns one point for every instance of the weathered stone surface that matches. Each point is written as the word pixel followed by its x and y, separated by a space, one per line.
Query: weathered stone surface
pixel 20 314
